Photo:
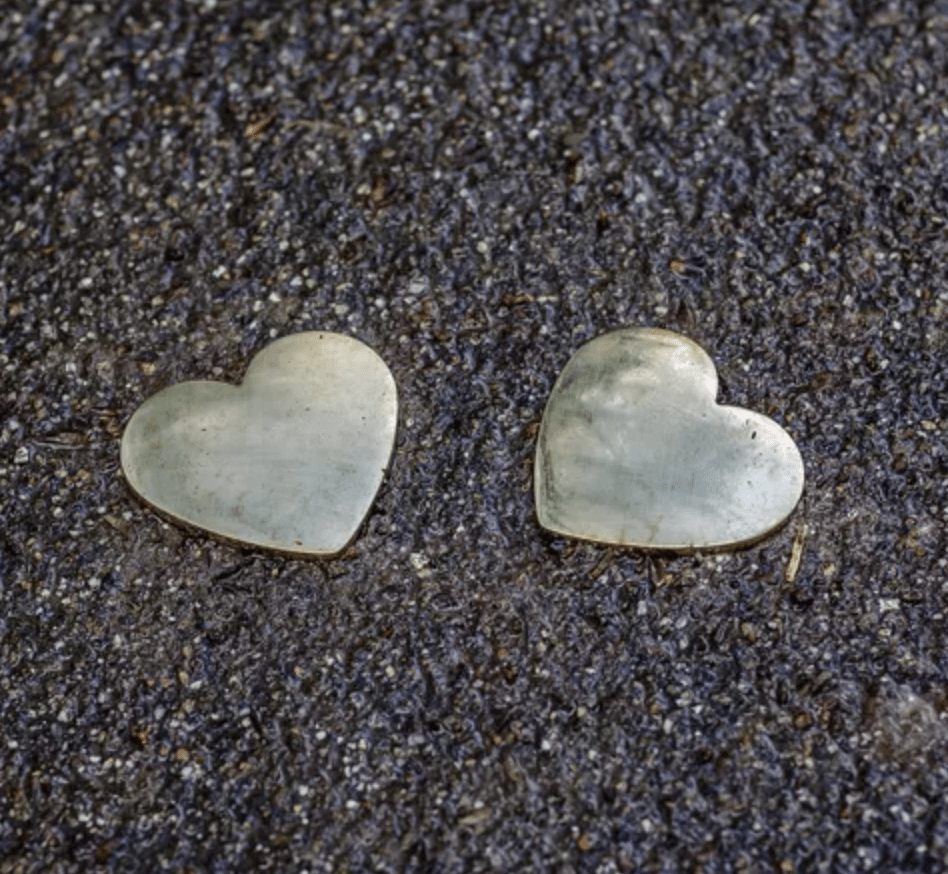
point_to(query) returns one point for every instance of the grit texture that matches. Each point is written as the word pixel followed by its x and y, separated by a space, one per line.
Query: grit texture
pixel 474 189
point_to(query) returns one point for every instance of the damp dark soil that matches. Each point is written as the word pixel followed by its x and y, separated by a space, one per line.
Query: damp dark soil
pixel 474 189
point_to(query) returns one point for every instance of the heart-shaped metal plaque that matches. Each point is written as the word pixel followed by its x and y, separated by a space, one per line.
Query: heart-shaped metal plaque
pixel 290 460
pixel 633 450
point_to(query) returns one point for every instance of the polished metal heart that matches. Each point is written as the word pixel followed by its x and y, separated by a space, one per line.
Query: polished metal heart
pixel 633 450
pixel 290 460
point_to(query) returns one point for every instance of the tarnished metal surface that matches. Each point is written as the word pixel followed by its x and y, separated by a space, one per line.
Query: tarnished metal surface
pixel 290 460
pixel 634 451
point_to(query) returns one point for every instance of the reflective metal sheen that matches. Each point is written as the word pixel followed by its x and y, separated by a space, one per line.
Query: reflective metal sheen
pixel 633 450
pixel 290 460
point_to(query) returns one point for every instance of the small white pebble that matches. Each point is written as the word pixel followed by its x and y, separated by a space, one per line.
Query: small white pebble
pixel 22 456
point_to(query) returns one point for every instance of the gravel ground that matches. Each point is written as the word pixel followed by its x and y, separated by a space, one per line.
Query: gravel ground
pixel 474 189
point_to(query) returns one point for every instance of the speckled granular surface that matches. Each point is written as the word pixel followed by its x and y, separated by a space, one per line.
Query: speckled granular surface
pixel 474 189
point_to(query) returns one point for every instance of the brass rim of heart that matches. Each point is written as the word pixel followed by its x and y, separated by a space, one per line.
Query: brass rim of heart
pixel 633 449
